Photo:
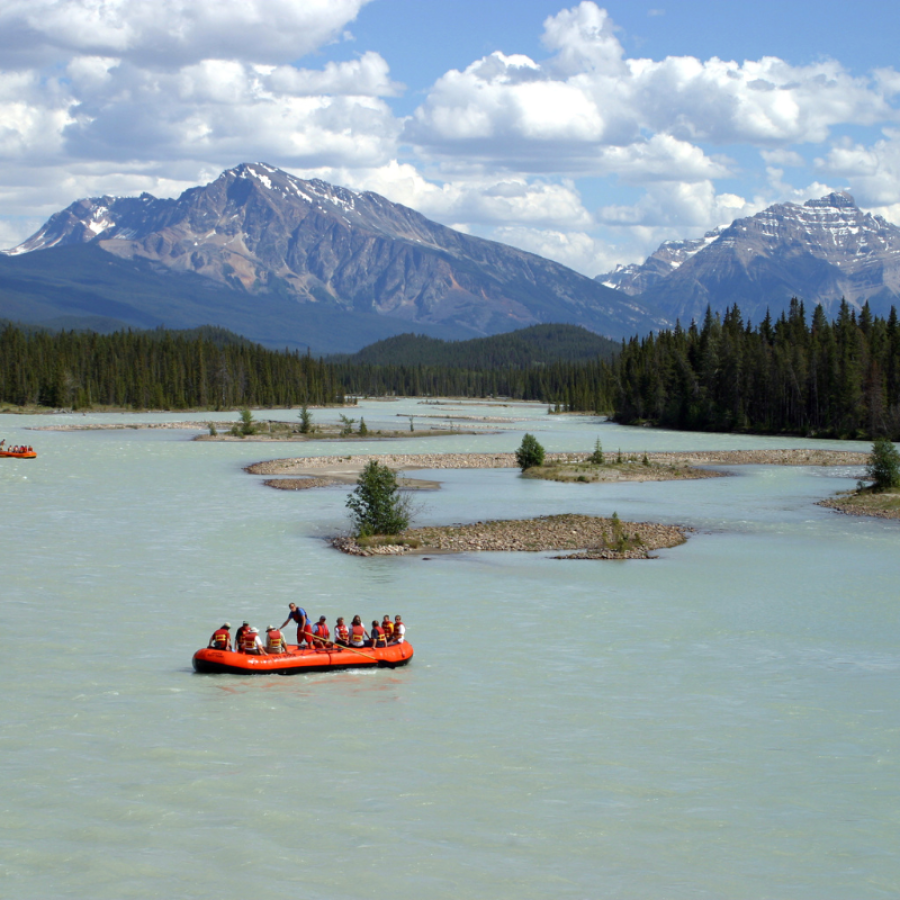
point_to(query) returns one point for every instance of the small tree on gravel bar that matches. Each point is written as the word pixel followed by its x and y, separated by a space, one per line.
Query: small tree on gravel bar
pixel 530 453
pixel 376 506
pixel 884 465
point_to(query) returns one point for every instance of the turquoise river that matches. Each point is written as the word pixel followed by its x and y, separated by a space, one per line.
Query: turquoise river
pixel 720 722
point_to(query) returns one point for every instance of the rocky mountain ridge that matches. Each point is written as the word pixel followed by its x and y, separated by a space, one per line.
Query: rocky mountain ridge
pixel 823 251
pixel 260 231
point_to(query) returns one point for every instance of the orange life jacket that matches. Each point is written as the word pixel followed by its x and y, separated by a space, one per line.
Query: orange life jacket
pixel 341 632
pixel 357 635
pixel 378 638
pixel 388 629
pixel 276 641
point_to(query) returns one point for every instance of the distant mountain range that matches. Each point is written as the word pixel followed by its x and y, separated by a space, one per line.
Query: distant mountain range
pixel 823 251
pixel 289 262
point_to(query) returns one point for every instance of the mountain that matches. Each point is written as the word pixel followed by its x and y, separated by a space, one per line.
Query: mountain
pixel 822 251
pixel 537 345
pixel 258 240
pixel 635 278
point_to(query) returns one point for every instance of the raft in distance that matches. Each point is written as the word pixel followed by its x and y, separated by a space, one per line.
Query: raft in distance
pixel 25 454
pixel 296 661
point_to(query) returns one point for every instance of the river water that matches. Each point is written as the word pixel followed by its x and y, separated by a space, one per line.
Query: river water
pixel 723 721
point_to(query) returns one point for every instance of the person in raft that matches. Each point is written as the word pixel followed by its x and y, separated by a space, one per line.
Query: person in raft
pixel 275 642
pixel 388 627
pixel 359 637
pixel 239 634
pixel 251 643
pixel 221 638
pixel 399 631
pixel 378 636
pixel 298 615
pixel 321 634
pixel 341 633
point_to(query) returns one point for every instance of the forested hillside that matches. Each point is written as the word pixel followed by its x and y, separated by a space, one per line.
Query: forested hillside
pixel 537 345
pixel 156 370
pixel 830 379
pixel 839 379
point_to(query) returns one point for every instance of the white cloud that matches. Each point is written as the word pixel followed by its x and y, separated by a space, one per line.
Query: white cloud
pixel 566 112
pixel 577 250
pixel 873 172
pixel 171 32
pixel 482 202
pixel 668 203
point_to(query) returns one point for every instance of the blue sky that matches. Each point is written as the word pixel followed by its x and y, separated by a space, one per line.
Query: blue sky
pixel 587 132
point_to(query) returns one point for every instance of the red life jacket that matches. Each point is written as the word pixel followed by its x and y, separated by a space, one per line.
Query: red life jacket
pixel 248 642
pixel 388 629
pixel 341 632
pixel 378 638
pixel 357 635
pixel 220 638
pixel 322 631
pixel 276 641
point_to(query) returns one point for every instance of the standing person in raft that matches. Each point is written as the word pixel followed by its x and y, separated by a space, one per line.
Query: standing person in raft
pixel 221 638
pixel 298 615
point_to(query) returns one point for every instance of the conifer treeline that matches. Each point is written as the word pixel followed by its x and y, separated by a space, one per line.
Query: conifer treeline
pixel 837 379
pixel 155 370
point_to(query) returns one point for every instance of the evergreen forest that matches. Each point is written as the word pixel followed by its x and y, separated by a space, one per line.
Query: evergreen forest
pixel 788 376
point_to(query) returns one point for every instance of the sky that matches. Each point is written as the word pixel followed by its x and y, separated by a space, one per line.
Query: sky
pixel 585 132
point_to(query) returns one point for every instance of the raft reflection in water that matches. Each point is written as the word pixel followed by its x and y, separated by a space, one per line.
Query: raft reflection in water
pixel 297 661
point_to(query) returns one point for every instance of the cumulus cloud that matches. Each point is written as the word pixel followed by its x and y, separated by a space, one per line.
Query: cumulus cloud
pixel 694 205
pixel 481 202
pixel 171 33
pixel 588 97
pixel 873 172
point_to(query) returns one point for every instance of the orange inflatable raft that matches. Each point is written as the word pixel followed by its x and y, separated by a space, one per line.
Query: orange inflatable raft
pixel 24 454
pixel 296 661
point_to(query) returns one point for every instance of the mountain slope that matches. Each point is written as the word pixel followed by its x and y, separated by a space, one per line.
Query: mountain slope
pixel 820 252
pixel 262 233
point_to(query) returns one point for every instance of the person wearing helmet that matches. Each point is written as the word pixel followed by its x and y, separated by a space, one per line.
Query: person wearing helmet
pixel 251 643
pixel 221 638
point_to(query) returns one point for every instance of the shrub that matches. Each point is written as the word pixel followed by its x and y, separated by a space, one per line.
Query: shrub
pixel 305 419
pixel 530 453
pixel 247 425
pixel 884 465
pixel 346 424
pixel 596 458
pixel 212 429
pixel 363 428
pixel 376 506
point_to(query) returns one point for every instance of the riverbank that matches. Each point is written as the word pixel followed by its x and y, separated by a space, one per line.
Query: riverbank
pixel 584 537
pixel 882 505
pixel 350 464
